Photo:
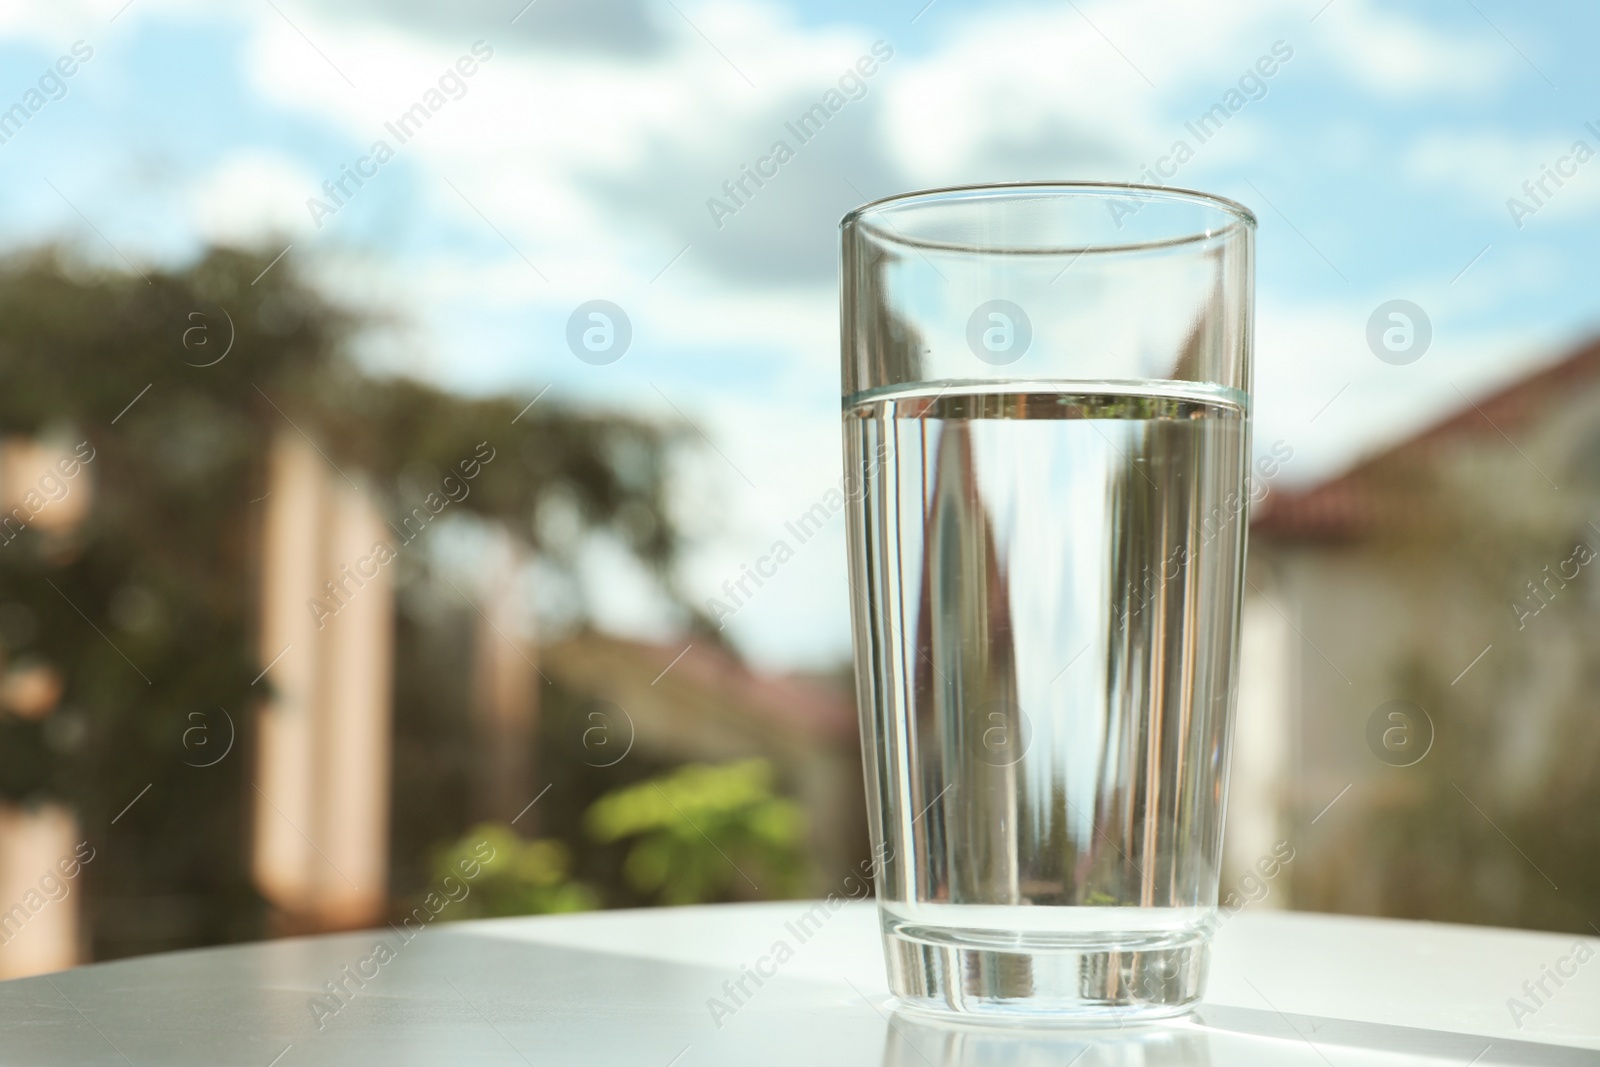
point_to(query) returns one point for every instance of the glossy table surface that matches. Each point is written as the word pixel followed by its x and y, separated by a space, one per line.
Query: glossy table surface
pixel 660 989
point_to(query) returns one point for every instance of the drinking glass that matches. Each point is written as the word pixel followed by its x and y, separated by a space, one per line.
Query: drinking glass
pixel 1046 425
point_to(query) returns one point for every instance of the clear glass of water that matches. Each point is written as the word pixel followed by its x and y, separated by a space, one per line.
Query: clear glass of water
pixel 1046 424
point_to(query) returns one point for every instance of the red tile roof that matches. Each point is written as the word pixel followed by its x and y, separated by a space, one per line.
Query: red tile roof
pixel 1352 503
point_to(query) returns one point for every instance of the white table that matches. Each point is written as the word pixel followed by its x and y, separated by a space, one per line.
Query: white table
pixel 632 988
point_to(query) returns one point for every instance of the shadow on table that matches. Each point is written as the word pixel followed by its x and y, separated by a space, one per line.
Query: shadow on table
pixel 1213 1037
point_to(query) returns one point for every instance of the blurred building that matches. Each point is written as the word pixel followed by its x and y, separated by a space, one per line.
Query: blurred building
pixel 1418 706
pixel 321 833
pixel 41 920
pixel 323 784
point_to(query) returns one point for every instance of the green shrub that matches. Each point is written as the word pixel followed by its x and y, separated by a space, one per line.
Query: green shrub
pixel 706 833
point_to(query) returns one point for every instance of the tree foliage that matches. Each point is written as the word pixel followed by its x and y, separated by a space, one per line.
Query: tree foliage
pixel 698 834
pixel 706 833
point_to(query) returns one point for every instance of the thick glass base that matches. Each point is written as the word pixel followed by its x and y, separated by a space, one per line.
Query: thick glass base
pixel 1111 981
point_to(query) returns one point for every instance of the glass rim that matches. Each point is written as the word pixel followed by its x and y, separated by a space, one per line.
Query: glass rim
pixel 862 215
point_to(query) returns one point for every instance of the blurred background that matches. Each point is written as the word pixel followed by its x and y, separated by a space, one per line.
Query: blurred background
pixel 402 406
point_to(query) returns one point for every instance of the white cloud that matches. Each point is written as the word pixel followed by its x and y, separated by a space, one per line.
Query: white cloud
pixel 1394 55
pixel 251 197
pixel 1490 166
pixel 56 24
pixel 1070 88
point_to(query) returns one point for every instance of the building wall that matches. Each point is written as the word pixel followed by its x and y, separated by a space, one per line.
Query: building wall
pixel 1417 602
pixel 322 751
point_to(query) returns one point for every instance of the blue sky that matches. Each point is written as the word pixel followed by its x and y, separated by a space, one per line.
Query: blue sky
pixel 578 162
